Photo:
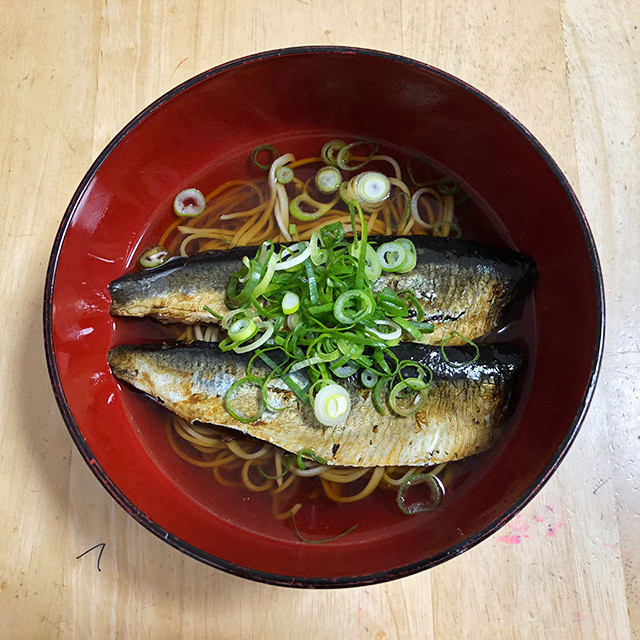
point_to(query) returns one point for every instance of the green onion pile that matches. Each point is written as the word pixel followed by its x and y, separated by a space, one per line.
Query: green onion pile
pixel 310 307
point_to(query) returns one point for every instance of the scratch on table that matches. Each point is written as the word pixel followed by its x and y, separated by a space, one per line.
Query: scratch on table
pixel 601 485
pixel 179 63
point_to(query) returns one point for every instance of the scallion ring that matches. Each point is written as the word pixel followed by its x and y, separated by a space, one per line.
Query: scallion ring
pixel 419 399
pixel 413 206
pixel 258 342
pixel 345 370
pixel 153 256
pixel 448 186
pixel 328 180
pixel 353 306
pixel 229 318
pixel 392 332
pixel 293 261
pixel 458 365
pixel 261 149
pixel 332 405
pixel 330 151
pixel 312 208
pixel 436 489
pixel 303 364
pixel 444 227
pixel 371 187
pixel 189 203
pixel 242 330
pixel 392 255
pixel 369 378
pixel 318 254
pixel 230 396
pixel 290 303
pixel 284 174
pixel 373 266
pixel 344 155
pixel 412 255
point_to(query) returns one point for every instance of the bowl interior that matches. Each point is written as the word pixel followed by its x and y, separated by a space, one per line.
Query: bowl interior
pixel 294 99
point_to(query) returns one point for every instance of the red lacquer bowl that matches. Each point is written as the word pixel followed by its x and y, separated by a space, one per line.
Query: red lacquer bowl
pixel 295 98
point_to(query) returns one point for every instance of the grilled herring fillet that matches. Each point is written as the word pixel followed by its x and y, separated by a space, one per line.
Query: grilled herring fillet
pixel 462 285
pixel 464 414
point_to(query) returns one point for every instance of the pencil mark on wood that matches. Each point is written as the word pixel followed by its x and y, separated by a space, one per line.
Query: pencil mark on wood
pixel 102 545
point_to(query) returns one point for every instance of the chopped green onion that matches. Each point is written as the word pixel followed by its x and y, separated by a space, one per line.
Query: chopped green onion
pixel 189 203
pixel 238 414
pixel 412 176
pixel 153 256
pixel 344 155
pixel 448 186
pixel 332 234
pixel 436 490
pixel 330 151
pixel 270 269
pixel 373 266
pixel 328 180
pixel 371 187
pixel 393 333
pixel 458 365
pixel 317 209
pixel 418 401
pixel 369 378
pixel 442 228
pixel 378 402
pixel 318 255
pixel 284 174
pixel 411 258
pixel 228 318
pixel 242 330
pixel 262 149
pixel 290 302
pixel 212 312
pixel 311 280
pixel 354 208
pixel 392 256
pixel 391 304
pixel 332 405
pixel 303 364
pixel 315 303
pixel 258 342
pixel 409 328
pixel 294 261
pixel 340 535
pixel 346 312
pixel 309 454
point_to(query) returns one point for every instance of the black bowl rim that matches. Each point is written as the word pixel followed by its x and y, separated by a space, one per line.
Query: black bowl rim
pixel 296 581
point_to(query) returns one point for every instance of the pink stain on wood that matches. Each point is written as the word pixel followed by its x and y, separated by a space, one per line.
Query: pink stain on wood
pixel 511 539
pixel 519 526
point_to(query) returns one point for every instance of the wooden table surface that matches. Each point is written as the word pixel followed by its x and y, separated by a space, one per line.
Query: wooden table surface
pixel 73 74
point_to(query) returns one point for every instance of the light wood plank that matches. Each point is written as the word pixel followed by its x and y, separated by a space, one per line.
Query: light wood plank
pixel 567 567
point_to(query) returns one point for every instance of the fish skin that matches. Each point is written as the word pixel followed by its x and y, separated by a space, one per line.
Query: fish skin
pixel 463 286
pixel 464 415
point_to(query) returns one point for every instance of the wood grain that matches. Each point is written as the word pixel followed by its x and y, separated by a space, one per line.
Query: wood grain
pixel 73 75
